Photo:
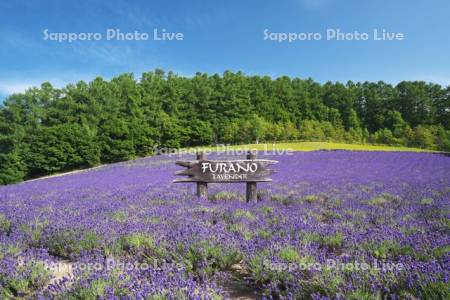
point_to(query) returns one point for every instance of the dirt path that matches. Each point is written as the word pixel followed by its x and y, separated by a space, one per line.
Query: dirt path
pixel 59 270
pixel 236 286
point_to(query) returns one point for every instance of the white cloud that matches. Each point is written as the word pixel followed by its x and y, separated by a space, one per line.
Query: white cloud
pixel 9 88
pixel 17 85
pixel 130 12
pixel 442 80
pixel 113 54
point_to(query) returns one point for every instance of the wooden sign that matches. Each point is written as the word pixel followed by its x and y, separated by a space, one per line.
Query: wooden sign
pixel 203 171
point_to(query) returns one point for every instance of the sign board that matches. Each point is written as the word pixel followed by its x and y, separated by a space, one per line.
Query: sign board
pixel 226 171
pixel 203 171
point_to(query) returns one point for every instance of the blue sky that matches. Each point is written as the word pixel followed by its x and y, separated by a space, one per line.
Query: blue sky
pixel 223 35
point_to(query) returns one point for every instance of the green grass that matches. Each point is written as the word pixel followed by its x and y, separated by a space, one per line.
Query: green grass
pixel 312 146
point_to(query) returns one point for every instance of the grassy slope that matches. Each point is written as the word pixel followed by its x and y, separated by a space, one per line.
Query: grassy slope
pixel 311 146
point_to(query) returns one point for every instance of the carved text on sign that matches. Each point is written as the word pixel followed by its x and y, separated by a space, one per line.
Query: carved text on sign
pixel 226 171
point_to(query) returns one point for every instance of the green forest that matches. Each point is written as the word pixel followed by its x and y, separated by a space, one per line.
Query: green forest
pixel 46 130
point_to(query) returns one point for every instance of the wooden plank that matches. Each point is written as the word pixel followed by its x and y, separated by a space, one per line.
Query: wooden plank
pixel 191 179
pixel 185 163
pixel 184 180
pixel 184 172
pixel 190 163
pixel 223 178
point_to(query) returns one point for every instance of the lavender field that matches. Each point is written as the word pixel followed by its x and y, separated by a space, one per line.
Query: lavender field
pixel 331 225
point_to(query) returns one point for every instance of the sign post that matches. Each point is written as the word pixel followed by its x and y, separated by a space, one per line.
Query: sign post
pixel 202 187
pixel 251 193
pixel 203 171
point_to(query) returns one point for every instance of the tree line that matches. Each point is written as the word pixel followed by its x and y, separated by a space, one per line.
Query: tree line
pixel 46 130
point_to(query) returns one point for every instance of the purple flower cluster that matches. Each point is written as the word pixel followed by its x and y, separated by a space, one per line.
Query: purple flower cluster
pixel 331 225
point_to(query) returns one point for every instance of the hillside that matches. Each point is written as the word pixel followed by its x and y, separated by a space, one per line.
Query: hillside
pixel 48 130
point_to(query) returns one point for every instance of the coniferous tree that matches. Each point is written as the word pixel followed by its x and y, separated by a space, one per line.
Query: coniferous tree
pixel 47 129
